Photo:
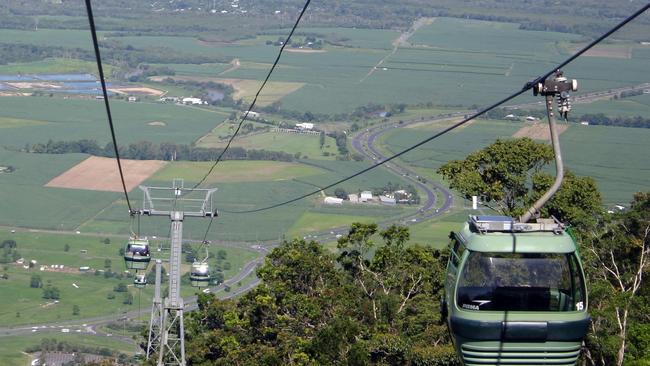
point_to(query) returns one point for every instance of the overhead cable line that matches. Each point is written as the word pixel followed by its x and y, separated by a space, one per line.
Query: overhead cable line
pixel 245 116
pixel 250 108
pixel 528 86
pixel 93 32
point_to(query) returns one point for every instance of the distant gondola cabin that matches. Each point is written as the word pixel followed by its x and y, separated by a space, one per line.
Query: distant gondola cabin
pixel 136 254
pixel 200 274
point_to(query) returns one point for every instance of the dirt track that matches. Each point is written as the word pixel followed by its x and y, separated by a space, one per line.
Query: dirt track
pixel 539 131
pixel 138 90
pixel 101 174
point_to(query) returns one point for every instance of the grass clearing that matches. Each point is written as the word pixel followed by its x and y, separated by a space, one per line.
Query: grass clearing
pixel 311 222
pixel 433 233
pixel 6 122
pixel 12 348
pixel 238 171
pixel 22 304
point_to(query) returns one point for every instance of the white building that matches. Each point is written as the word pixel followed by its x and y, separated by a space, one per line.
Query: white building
pixel 353 198
pixel 387 200
pixel 305 126
pixel 252 114
pixel 531 118
pixel 193 101
pixel 132 99
pixel 365 196
pixel 333 201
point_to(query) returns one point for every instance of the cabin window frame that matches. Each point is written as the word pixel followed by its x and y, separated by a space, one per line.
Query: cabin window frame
pixel 457 251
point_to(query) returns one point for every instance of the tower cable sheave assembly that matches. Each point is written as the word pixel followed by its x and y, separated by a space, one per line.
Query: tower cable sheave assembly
pixel 528 86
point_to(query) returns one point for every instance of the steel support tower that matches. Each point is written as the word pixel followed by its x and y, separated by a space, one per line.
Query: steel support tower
pixel 175 202
pixel 155 324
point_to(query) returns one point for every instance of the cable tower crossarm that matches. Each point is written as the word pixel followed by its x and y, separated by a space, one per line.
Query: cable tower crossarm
pixel 252 105
pixel 102 79
pixel 527 87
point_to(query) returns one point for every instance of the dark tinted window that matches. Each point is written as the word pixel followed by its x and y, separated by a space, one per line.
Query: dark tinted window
pixel 521 282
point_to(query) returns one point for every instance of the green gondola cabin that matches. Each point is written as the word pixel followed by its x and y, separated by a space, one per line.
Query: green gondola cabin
pixel 515 293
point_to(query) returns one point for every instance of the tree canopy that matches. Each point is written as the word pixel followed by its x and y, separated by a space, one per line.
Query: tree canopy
pixel 508 176
pixel 617 256
pixel 317 308
pixel 500 173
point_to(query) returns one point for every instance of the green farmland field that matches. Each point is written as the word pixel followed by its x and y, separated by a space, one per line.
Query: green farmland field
pixel 53 66
pixel 238 171
pixel 251 185
pixel 615 157
pixel 68 119
pixel 27 203
pixel 632 107
pixel 243 185
pixel 447 62
pixel 306 145
pixel 49 37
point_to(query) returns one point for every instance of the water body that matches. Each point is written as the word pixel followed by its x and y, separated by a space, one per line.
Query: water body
pixel 49 77
pixel 17 78
pixel 66 77
pixel 86 84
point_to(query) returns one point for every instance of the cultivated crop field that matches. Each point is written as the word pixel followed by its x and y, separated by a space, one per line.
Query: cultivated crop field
pixel 291 143
pixel 248 185
pixel 101 174
pixel 447 62
pixel 633 106
pixel 73 119
pixel 614 156
pixel 238 171
pixel 27 203
pixel 52 65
